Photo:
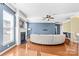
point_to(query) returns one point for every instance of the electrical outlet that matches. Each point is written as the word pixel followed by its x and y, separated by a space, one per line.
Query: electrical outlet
pixel 8 45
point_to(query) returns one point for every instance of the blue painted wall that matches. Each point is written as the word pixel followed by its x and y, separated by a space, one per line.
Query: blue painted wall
pixel 43 28
pixel 1 23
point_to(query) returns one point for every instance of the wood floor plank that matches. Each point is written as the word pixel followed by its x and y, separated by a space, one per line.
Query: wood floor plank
pixel 31 49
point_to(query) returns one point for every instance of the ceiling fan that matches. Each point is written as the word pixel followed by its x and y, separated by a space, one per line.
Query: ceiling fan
pixel 48 17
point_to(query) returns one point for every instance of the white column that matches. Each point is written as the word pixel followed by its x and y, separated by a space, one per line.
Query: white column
pixel 18 41
pixel 61 29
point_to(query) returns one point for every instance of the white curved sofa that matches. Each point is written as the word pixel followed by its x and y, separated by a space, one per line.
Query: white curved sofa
pixel 47 39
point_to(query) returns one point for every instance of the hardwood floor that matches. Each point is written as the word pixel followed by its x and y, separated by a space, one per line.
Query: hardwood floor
pixel 31 49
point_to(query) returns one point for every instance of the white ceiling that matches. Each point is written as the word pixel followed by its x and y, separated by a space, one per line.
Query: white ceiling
pixel 41 9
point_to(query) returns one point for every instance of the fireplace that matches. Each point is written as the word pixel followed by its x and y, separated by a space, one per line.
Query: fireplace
pixel 23 40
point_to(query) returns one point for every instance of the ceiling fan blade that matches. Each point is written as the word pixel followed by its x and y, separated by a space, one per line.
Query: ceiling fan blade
pixel 52 18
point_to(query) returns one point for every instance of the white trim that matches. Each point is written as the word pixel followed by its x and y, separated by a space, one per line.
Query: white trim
pixel 22 17
pixel 42 22
pixel 66 21
pixel 11 6
pixel 74 41
pixel 7 49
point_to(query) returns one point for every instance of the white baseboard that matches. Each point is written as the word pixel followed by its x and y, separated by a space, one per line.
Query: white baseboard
pixel 7 49
pixel 74 41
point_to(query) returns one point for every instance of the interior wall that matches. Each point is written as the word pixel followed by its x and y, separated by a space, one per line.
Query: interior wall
pixel 72 27
pixel 44 28
pixel 1 24
pixel 67 26
pixel 19 30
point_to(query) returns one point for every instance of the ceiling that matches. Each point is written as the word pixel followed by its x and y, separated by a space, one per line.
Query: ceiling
pixel 34 10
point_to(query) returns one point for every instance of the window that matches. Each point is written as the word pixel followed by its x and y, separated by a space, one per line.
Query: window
pixel 8 27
